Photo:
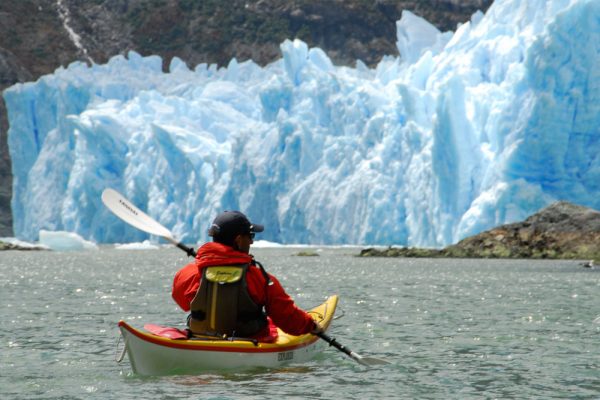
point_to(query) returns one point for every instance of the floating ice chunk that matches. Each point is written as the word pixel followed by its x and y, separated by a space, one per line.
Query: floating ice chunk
pixel 265 244
pixel 65 241
pixel 145 245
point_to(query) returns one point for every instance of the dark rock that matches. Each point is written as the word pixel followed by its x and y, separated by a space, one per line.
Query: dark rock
pixel 401 252
pixel 560 231
pixel 10 246
pixel 307 253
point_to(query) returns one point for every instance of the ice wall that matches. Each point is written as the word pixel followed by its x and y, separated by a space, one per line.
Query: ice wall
pixel 464 131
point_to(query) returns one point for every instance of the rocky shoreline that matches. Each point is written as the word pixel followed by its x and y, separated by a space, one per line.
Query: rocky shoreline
pixel 10 246
pixel 560 231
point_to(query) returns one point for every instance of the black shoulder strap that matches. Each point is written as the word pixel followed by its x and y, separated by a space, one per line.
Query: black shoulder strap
pixel 262 269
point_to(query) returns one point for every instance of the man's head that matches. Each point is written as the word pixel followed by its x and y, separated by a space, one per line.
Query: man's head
pixel 233 229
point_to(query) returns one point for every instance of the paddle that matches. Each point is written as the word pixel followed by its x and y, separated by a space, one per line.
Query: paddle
pixel 368 361
pixel 129 213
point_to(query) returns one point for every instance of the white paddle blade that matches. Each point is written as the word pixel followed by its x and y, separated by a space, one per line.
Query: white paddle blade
pixel 129 213
pixel 368 361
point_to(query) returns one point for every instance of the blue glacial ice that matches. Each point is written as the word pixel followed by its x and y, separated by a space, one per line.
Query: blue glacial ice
pixel 464 131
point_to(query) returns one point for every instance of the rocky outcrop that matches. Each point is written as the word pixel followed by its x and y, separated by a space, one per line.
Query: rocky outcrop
pixel 10 246
pixel 562 230
pixel 39 36
pixel 214 31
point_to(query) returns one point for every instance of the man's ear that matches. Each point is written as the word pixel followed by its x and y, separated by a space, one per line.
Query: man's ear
pixel 236 242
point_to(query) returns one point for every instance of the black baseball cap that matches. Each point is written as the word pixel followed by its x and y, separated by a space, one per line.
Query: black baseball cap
pixel 228 224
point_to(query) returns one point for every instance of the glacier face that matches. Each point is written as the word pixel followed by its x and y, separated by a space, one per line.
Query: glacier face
pixel 463 132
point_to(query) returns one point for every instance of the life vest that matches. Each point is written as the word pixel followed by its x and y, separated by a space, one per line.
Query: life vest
pixel 222 305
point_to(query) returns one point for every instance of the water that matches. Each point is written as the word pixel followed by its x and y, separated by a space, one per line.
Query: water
pixel 463 329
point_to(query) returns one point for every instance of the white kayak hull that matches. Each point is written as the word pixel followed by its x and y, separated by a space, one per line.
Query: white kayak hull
pixel 151 354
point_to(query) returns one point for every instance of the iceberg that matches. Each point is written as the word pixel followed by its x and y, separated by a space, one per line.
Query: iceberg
pixel 65 241
pixel 464 131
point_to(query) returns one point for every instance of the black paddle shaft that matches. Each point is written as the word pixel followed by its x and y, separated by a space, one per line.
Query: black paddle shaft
pixel 188 250
pixel 334 343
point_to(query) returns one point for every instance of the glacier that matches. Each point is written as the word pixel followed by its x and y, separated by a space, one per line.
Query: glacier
pixel 464 131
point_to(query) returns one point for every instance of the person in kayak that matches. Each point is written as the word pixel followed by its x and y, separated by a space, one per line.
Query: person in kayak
pixel 229 294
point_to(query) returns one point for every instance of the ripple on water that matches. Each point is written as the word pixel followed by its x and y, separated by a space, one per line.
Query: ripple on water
pixel 451 328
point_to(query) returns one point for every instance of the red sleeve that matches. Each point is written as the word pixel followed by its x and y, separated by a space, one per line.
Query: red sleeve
pixel 185 285
pixel 279 305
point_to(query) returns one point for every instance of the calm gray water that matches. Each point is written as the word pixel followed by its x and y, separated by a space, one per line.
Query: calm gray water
pixel 452 329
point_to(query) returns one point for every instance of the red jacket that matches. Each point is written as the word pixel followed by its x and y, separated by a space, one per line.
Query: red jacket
pixel 278 305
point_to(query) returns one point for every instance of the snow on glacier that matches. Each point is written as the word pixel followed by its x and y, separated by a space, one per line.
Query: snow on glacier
pixel 463 132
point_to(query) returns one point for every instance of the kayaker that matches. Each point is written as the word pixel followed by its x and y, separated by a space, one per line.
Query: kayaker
pixel 230 294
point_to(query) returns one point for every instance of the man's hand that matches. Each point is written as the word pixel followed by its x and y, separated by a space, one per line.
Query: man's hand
pixel 317 329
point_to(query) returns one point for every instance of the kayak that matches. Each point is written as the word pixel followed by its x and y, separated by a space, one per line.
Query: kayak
pixel 167 350
pixel 155 354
